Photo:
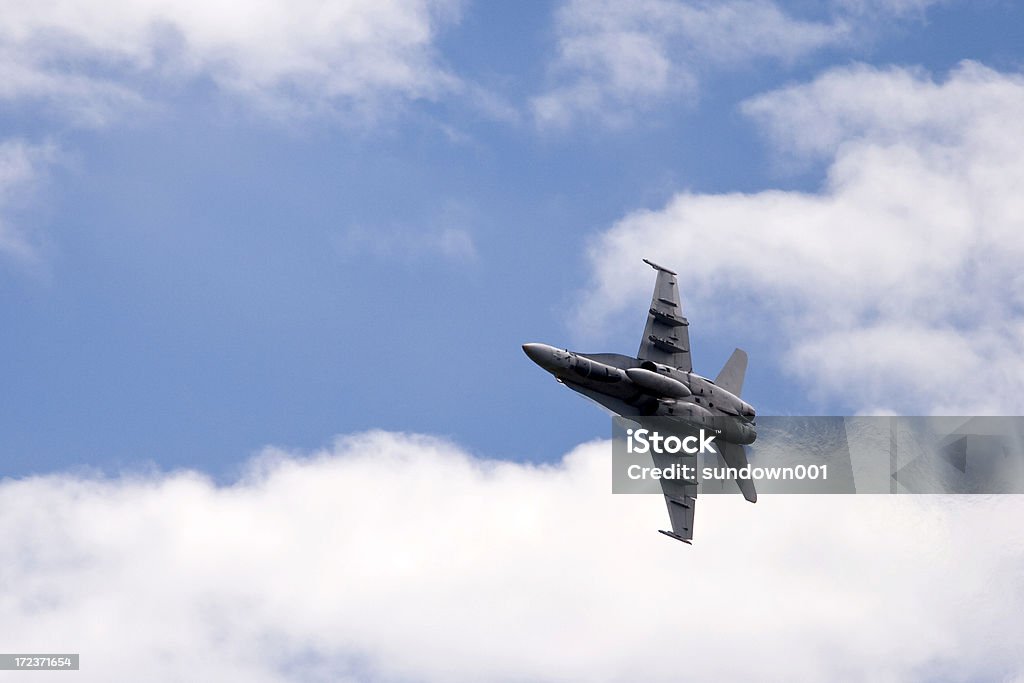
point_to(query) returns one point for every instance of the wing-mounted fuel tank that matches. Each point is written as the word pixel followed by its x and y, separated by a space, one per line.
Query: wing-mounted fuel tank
pixel 657 384
pixel 666 370
pixel 661 380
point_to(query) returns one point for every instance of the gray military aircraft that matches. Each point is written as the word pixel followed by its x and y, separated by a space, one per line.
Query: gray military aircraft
pixel 660 382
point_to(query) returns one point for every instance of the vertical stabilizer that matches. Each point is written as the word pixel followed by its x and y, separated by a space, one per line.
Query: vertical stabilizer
pixel 731 376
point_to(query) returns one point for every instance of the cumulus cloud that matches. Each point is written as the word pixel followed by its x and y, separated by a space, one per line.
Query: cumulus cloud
pixel 315 55
pixel 898 285
pixel 22 165
pixel 398 557
pixel 615 58
pixel 897 8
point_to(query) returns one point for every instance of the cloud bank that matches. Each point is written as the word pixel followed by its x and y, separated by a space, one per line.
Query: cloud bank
pixel 896 286
pixel 90 63
pixel 615 61
pixel 400 557
pixel 80 64
pixel 616 58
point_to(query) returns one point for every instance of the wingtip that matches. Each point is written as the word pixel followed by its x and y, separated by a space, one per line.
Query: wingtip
pixel 654 265
pixel 675 536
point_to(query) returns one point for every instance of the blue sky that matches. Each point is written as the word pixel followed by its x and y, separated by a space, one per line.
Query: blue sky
pixel 208 278
pixel 266 270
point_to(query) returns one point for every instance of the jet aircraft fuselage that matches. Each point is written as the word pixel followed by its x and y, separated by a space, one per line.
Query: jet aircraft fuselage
pixel 635 387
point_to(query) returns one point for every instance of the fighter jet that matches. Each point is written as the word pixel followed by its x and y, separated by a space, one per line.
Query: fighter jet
pixel 660 382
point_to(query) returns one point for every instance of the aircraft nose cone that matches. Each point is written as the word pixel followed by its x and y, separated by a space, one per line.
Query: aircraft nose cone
pixel 548 357
pixel 535 352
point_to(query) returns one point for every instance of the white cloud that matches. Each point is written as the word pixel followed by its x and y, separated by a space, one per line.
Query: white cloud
pixel 898 8
pixel 615 58
pixel 618 59
pixel 898 285
pixel 22 165
pixel 310 55
pixel 397 557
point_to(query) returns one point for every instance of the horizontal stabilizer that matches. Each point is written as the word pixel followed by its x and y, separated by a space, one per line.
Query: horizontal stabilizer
pixel 735 455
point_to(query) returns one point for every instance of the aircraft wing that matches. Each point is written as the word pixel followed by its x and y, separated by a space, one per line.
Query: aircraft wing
pixel 680 516
pixel 680 499
pixel 667 336
pixel 681 495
